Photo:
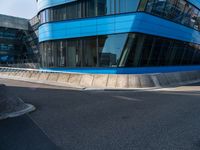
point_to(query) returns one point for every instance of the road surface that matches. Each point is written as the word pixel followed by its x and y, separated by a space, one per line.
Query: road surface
pixel 70 119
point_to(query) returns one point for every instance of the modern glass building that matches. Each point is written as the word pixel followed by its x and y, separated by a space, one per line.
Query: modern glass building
pixel 18 40
pixel 119 33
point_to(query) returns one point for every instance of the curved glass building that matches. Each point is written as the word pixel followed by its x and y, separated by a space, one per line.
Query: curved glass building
pixel 119 33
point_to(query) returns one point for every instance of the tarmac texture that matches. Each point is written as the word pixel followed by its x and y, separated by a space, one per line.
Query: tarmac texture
pixel 69 119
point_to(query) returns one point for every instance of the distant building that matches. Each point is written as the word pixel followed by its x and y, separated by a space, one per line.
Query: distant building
pixel 18 39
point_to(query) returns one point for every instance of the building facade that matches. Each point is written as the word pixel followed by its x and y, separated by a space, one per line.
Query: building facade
pixel 119 33
pixel 18 41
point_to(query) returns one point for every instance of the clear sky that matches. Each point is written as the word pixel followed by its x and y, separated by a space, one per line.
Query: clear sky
pixel 19 8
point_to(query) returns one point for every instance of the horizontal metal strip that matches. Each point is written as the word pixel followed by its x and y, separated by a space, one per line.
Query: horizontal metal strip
pixel 133 22
pixel 139 70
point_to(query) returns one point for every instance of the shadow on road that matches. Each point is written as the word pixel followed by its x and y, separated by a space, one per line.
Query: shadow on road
pixel 23 134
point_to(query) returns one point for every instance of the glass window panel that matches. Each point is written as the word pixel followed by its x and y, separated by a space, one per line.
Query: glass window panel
pixel 180 7
pixel 120 50
pixel 102 7
pixel 123 6
pixel 187 14
pixel 112 6
pixel 150 5
pixel 117 7
pixel 159 7
pixel 110 50
pixel 131 5
pixel 198 21
pixel 90 52
pixel 62 54
pixel 72 7
pixel 129 51
pixel 172 10
pixel 143 4
pixel 73 53
pixel 194 18
pixel 147 51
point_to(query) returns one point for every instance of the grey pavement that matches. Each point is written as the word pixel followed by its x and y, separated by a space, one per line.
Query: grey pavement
pixel 23 134
pixel 103 120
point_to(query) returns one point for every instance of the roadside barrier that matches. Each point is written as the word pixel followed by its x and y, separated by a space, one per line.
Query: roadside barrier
pixel 110 81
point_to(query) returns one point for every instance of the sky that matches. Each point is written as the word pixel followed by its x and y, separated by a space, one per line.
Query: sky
pixel 19 8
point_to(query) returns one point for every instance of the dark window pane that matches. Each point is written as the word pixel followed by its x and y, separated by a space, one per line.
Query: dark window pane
pixel 110 49
pixel 119 50
pixel 142 5
pixel 90 52
pixel 88 8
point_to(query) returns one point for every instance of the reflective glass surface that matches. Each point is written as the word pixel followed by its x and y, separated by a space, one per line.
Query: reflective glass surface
pixel 87 8
pixel 119 50
pixel 102 51
pixel 179 11
pixel 15 45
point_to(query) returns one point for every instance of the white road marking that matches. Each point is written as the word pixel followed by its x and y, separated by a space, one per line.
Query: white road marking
pixel 128 98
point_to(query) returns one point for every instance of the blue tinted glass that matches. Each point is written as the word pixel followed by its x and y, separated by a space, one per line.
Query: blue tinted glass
pixel 111 52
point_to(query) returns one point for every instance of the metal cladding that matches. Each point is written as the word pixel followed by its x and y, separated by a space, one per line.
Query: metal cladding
pixel 13 22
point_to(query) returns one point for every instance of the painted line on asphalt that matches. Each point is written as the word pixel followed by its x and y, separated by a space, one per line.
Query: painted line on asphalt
pixel 128 98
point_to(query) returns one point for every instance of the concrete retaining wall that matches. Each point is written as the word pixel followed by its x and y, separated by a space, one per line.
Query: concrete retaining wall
pixel 110 81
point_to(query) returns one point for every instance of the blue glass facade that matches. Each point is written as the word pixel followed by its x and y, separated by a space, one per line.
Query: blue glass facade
pixel 10 45
pixel 119 33
pixel 18 40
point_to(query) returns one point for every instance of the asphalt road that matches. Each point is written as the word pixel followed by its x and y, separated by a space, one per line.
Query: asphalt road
pixel 103 120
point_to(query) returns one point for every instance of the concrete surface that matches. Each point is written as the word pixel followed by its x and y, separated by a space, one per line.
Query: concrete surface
pixel 43 76
pixel 53 77
pixel 13 22
pixel 102 81
pixel 104 120
pixel 87 80
pixel 63 78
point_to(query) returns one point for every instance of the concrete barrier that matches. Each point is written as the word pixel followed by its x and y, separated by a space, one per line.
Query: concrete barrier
pixel 63 78
pixel 4 72
pixel 147 81
pixel 53 77
pixel 134 81
pixel 122 81
pixel 27 74
pixel 75 79
pixel 35 75
pixel 112 81
pixel 43 76
pixel 86 80
pixel 13 73
pixel 102 80
pixel 20 73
